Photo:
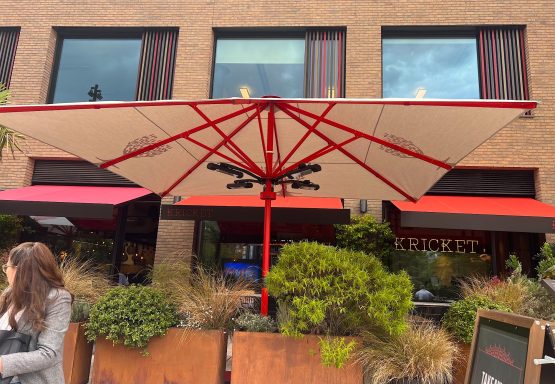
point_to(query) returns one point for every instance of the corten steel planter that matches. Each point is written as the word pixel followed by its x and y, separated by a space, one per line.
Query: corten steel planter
pixel 178 357
pixel 77 355
pixel 273 358
pixel 460 364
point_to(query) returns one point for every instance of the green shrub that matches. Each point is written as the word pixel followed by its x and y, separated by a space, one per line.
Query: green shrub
pixel 335 351
pixel 131 316
pixel 254 322
pixel 336 291
pixel 546 264
pixel 460 318
pixel 365 234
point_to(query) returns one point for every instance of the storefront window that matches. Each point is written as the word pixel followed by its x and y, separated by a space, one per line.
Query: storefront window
pixel 209 242
pixel 112 64
pixel 444 68
pixel 256 67
pixel 440 272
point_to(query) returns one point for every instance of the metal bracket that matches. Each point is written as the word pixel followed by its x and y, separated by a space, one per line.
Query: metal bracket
pixel 546 360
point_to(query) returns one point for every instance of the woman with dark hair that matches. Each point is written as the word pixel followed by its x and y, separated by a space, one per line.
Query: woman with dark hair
pixel 35 303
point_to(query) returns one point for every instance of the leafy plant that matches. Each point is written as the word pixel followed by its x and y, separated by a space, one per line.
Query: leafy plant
pixel 338 291
pixel 459 319
pixel 335 351
pixel 131 316
pixel 546 265
pixel 87 284
pixel 365 234
pixel 8 138
pixel 423 354
pixel 254 322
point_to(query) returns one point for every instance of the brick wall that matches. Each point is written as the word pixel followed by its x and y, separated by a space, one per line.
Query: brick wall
pixel 528 142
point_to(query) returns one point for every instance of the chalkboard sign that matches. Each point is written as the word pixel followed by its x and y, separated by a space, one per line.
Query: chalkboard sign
pixel 504 348
pixel 548 370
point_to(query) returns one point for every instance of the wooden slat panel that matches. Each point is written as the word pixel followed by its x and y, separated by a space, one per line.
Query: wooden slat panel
pixel 486 182
pixel 8 45
pixel 325 63
pixel 70 172
pixel 157 64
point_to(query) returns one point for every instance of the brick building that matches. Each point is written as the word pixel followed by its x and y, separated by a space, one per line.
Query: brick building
pixel 513 52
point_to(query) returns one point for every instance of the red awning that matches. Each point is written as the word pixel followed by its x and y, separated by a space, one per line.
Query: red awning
pixel 511 214
pixel 307 210
pixel 67 201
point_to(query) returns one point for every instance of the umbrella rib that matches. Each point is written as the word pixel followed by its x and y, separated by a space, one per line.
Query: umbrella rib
pixel 163 130
pixel 211 152
pixel 261 136
pixel 351 156
pixel 305 136
pixel 181 135
pixel 235 150
pixel 385 143
pixel 319 153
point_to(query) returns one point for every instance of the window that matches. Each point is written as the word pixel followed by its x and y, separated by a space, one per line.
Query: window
pixel 443 68
pixel 108 65
pixel 259 67
pixel 465 63
pixel 292 65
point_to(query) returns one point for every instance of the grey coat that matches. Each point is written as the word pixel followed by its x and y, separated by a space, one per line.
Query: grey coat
pixel 43 363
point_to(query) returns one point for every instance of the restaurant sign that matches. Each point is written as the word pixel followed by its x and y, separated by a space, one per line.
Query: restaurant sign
pixel 436 245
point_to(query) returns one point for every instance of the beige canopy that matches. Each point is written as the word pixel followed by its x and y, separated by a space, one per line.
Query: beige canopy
pixel 381 149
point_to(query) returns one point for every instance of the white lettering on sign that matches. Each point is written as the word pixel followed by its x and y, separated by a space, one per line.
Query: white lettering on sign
pixel 488 379
pixel 436 245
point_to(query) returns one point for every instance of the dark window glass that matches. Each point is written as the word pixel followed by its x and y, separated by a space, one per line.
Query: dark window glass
pixel 110 63
pixel 259 67
pixel 443 68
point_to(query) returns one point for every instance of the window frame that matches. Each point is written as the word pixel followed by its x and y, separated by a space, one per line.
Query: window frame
pixel 427 32
pixel 85 33
pixel 272 33
pixel 250 33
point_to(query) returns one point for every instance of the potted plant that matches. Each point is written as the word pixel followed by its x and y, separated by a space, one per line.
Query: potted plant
pixel 87 284
pixel 327 298
pixel 177 325
pixel 423 354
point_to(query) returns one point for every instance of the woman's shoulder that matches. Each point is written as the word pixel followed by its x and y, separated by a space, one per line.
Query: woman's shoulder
pixel 59 294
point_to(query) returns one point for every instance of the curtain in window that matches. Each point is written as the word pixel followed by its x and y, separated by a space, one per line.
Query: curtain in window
pixel 8 45
pixel 325 63
pixel 503 71
pixel 157 65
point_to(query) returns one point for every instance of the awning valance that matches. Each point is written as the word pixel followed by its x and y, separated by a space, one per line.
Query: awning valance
pixel 67 200
pixel 307 210
pixel 510 214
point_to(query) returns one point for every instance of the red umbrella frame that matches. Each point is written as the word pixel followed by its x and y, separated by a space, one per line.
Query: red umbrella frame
pixel 323 137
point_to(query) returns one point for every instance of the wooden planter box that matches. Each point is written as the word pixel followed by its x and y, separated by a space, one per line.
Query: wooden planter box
pixel 77 355
pixel 178 357
pixel 460 364
pixel 273 358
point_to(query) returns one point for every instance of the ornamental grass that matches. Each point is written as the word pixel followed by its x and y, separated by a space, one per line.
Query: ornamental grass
pixel 85 281
pixel 424 354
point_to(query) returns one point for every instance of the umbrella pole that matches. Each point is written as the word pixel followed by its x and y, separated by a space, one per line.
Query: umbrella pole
pixel 268 195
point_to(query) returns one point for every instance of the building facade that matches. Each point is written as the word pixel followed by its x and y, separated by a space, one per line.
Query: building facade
pixel 182 50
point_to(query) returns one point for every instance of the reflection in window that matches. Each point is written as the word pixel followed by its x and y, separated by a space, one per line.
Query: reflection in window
pixel 259 67
pixel 110 63
pixel 439 272
pixel 443 68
